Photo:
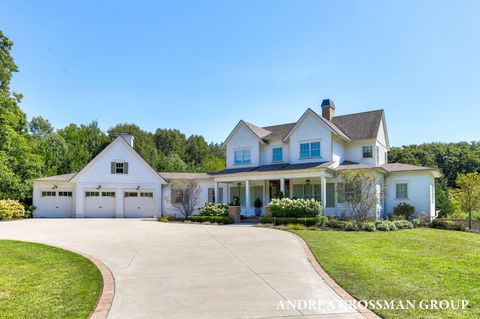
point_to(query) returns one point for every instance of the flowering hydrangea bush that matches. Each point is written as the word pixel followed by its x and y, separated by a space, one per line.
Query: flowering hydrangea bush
pixel 212 209
pixel 286 207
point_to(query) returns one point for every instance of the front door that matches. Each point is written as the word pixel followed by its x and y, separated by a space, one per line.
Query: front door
pixel 274 189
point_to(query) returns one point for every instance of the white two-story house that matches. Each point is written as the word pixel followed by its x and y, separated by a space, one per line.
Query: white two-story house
pixel 301 159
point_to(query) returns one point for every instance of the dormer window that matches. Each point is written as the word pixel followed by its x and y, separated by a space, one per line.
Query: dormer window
pixel 367 151
pixel 309 150
pixel 119 167
pixel 242 157
pixel 277 154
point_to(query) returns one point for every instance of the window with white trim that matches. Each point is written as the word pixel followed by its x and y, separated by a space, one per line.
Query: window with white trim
pixel 242 156
pixel 310 150
pixel 402 191
pixel 131 194
pixel 146 194
pixel 367 151
pixel 108 194
pixel 92 194
pixel 277 154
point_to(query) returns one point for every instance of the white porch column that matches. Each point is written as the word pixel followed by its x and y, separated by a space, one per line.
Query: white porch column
pixel 323 191
pixel 216 192
pixel 119 203
pixel 247 195
pixel 282 185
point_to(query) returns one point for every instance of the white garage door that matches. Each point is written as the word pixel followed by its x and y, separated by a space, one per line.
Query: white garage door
pixel 99 204
pixel 57 204
pixel 139 204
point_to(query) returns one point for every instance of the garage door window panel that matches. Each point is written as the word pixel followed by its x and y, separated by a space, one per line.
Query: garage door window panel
pixel 92 194
pixel 48 194
pixel 146 194
pixel 108 194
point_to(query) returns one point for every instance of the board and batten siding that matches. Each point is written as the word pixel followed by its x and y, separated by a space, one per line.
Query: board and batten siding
pixel 311 129
pixel 421 191
pixel 243 138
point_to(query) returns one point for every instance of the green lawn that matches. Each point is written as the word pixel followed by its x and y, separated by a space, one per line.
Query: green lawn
pixel 414 264
pixel 39 281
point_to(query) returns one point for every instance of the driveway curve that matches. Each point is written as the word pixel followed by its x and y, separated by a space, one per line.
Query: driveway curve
pixel 194 271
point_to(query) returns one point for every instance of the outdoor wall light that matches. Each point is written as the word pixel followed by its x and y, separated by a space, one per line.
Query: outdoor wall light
pixel 138 187
pixel 239 184
pixel 307 182
pixel 99 187
pixel 54 187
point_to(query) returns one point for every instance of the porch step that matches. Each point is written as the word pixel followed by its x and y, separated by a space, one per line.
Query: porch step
pixel 250 220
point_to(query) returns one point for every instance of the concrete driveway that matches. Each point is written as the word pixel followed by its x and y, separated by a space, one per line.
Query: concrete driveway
pixel 193 271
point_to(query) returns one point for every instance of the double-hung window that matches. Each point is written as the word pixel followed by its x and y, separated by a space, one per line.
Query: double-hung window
pixel 277 153
pixel 242 156
pixel 309 150
pixel 402 191
pixel 367 151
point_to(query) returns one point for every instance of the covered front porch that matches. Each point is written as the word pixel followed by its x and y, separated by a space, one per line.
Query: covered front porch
pixel 313 185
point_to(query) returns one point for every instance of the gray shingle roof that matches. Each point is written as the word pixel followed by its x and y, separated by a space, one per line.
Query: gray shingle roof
pixel 357 126
pixel 399 167
pixel 178 175
pixel 56 178
pixel 259 131
pixel 273 167
pixel 278 131
pixel 360 126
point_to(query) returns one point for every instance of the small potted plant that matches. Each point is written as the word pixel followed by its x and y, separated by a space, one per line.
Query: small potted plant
pixel 258 205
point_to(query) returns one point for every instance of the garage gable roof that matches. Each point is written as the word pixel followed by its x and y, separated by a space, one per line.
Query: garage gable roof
pixel 119 139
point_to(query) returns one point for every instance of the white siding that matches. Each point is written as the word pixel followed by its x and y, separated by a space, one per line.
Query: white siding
pixel 243 138
pixel 169 209
pixel 99 171
pixel 338 151
pixel 266 151
pixel 311 129
pixel 382 138
pixel 420 193
pixel 354 152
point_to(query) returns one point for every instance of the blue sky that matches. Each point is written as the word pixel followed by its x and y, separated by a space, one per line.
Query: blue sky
pixel 200 66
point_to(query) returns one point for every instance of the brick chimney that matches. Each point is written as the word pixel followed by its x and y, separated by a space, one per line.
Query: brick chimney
pixel 328 109
pixel 128 138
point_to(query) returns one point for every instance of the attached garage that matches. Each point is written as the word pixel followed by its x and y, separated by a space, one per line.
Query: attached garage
pixel 139 204
pixel 99 204
pixel 56 204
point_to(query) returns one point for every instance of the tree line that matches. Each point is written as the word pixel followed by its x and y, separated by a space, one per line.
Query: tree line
pixel 30 149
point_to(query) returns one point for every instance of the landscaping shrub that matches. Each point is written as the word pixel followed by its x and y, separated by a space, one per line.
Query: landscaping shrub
pixel 382 227
pixel 306 221
pixel 11 209
pixel 211 219
pixel 336 223
pixel 403 211
pixel 212 209
pixel 403 224
pixel 368 226
pixel 351 226
pixel 286 207
pixel 446 224
pixel 163 219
